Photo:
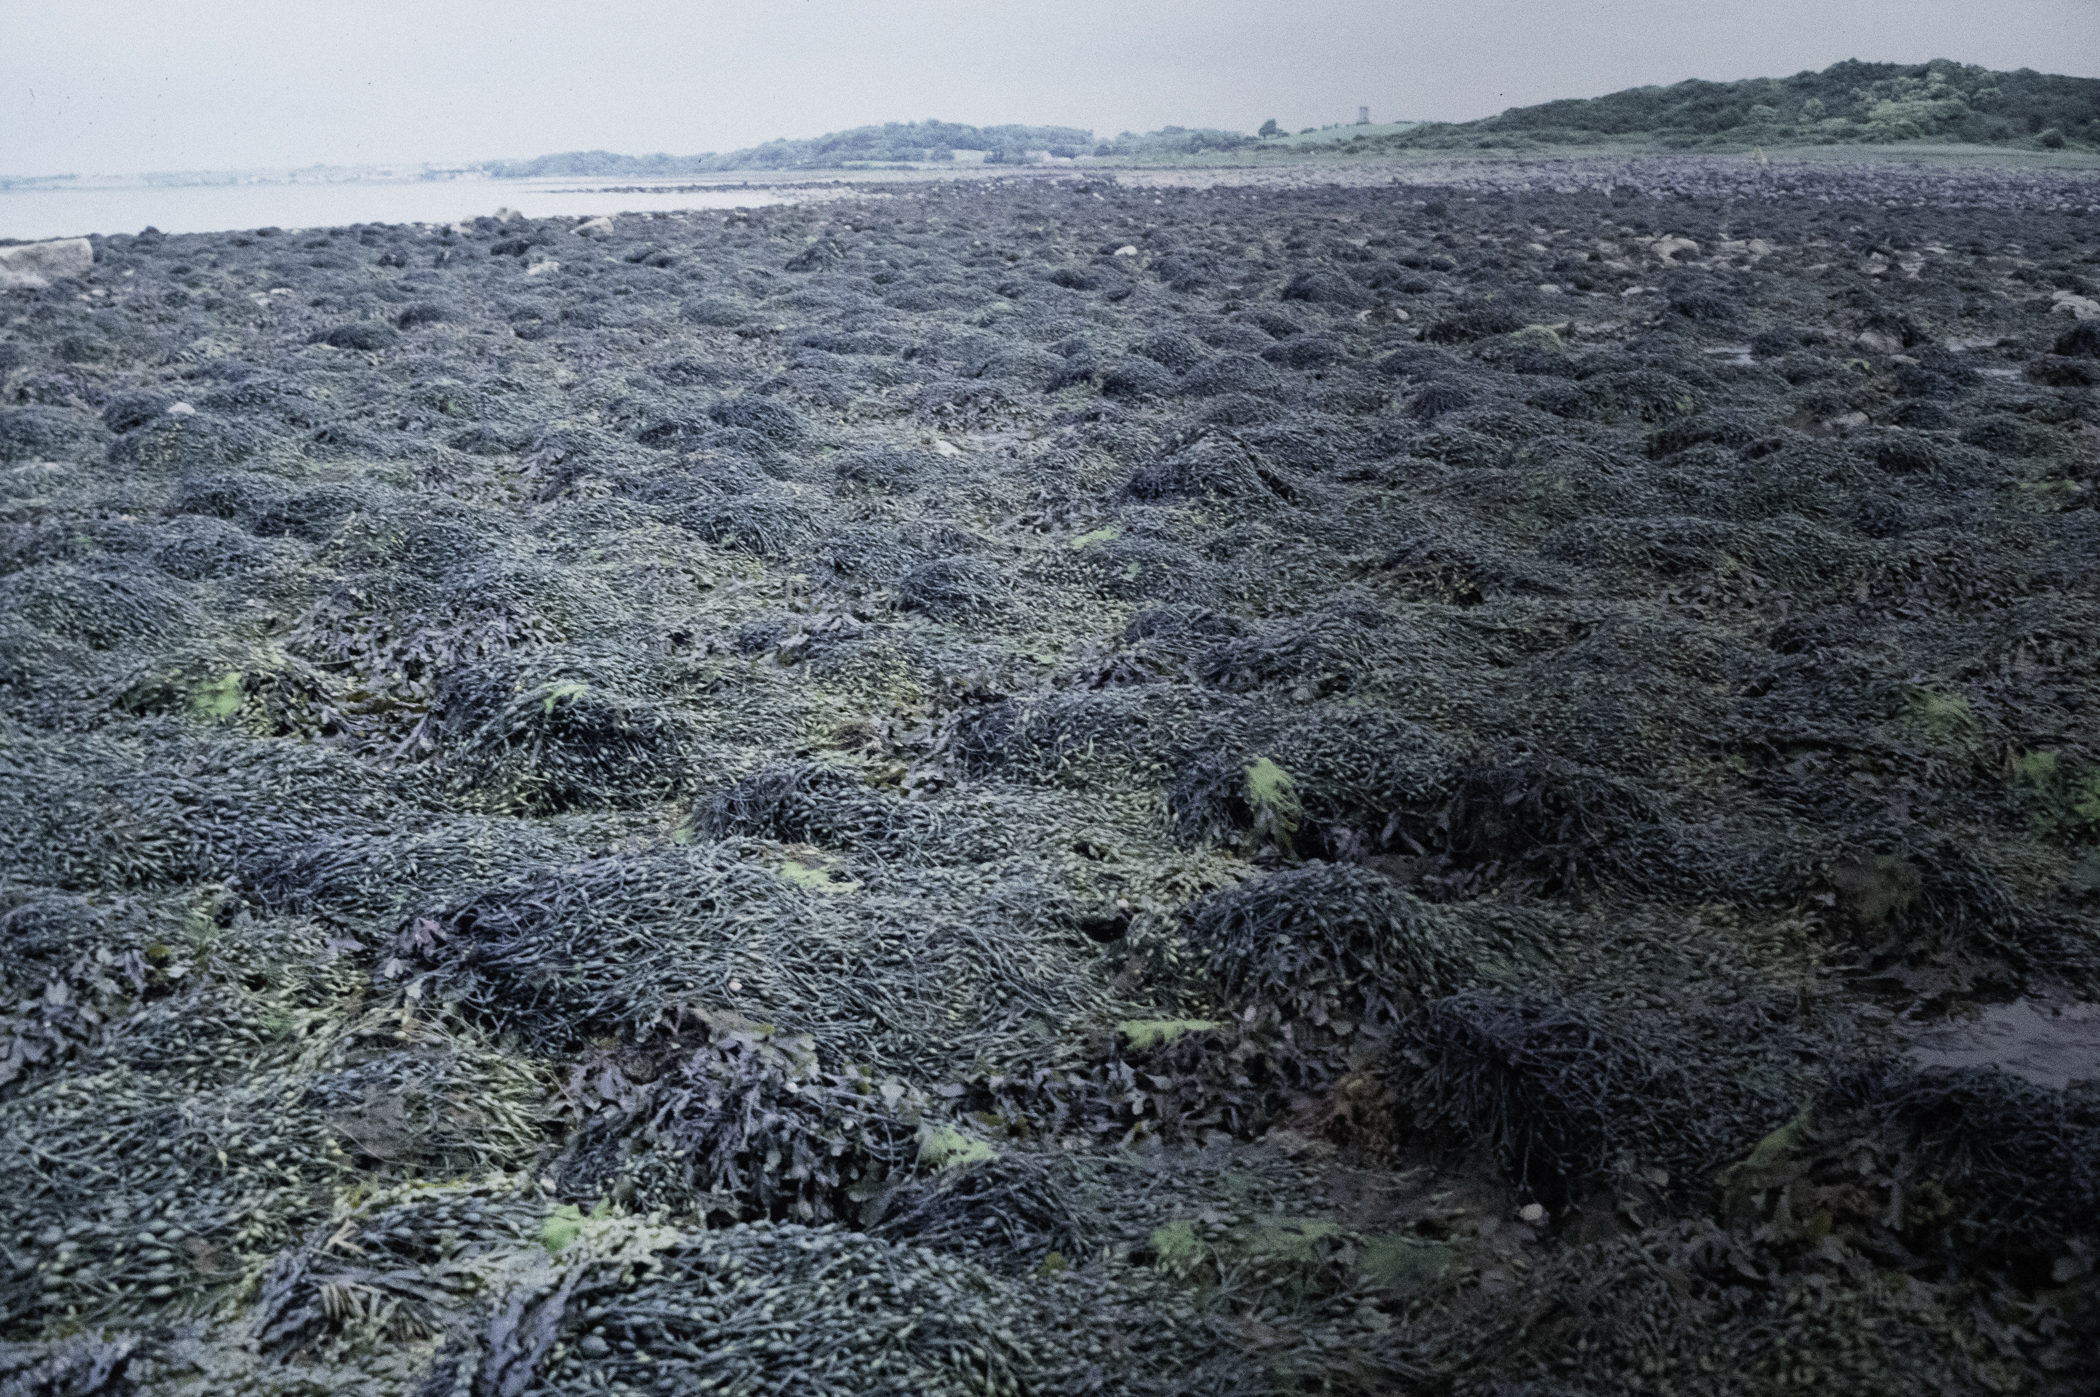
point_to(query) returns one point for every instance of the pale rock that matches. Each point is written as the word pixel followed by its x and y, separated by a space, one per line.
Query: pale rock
pixel 31 265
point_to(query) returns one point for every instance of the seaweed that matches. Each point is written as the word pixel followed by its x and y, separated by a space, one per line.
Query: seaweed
pixel 1336 802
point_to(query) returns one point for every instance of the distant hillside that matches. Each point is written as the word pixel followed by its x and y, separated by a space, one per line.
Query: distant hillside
pixel 892 143
pixel 1847 103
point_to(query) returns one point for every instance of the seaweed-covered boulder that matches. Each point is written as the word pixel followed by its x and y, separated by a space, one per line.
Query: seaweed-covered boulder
pixel 1233 373
pixel 102 605
pixel 744 1127
pixel 1177 351
pixel 1211 463
pixel 170 443
pixel 1138 377
pixel 1312 939
pixel 1546 822
pixel 1464 326
pixel 129 411
pixel 2018 1161
pixel 775 421
pixel 30 433
pixel 2081 341
pixel 790 801
pixel 1323 287
pixel 1544 1085
pixel 365 336
pixel 952 589
pixel 1304 352
pixel 566 745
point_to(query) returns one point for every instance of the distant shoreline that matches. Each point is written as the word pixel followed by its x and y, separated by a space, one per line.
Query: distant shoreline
pixel 1274 156
pixel 2059 180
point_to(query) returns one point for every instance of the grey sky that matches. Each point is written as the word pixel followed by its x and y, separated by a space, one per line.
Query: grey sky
pixel 131 85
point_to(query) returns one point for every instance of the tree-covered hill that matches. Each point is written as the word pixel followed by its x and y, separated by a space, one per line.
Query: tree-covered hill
pixel 1847 103
pixel 893 142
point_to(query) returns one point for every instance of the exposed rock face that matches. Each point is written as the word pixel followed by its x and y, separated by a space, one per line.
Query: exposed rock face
pixel 30 265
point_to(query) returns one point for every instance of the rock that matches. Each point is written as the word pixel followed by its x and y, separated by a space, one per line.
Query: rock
pixel 30 265
pixel 2077 307
pixel 589 226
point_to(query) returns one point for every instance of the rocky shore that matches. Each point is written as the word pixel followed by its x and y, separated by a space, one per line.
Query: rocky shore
pixel 1476 777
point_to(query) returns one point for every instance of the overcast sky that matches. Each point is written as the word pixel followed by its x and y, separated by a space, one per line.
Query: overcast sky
pixel 134 85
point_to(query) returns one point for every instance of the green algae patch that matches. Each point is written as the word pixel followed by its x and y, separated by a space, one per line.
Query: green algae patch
pixel 1272 794
pixel 949 1148
pixel 1945 717
pixel 1753 1171
pixel 563 1226
pixel 1403 1263
pixel 1292 1239
pixel 1145 1034
pixel 1177 1246
pixel 2061 796
pixel 554 695
pixel 218 701
pixel 814 878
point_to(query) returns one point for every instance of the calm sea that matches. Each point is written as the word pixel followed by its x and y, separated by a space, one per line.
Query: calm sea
pixel 65 213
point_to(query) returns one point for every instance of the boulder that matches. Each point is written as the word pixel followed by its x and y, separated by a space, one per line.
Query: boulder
pixel 29 265
pixel 2077 307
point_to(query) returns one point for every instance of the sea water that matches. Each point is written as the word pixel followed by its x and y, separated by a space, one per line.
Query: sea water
pixel 31 214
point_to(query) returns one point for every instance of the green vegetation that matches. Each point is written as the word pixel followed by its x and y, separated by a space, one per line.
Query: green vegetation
pixel 1146 1034
pixel 219 700
pixel 562 1227
pixel 1847 103
pixel 2061 795
pixel 892 143
pixel 949 1148
pixel 1946 718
